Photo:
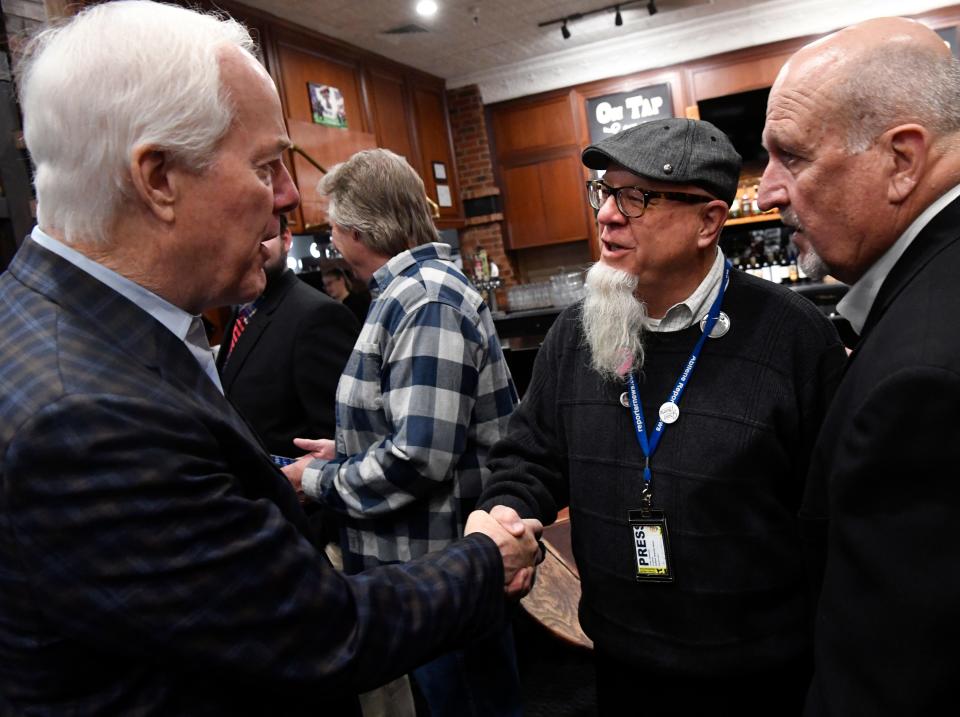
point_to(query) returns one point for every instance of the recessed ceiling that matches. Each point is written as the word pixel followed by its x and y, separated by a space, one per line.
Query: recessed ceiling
pixel 466 36
pixel 498 45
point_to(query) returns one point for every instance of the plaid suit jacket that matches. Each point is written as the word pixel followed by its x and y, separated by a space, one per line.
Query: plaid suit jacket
pixel 152 559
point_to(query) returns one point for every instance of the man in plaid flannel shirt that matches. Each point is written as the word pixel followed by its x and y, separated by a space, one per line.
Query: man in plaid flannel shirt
pixel 424 395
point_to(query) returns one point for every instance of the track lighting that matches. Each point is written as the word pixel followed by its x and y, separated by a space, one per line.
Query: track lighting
pixel 617 18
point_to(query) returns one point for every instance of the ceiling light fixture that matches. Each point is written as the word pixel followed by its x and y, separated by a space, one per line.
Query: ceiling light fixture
pixel 617 18
pixel 652 7
pixel 426 7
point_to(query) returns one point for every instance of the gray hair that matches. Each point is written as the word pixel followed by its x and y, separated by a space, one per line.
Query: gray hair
pixel 379 195
pixel 925 90
pixel 118 76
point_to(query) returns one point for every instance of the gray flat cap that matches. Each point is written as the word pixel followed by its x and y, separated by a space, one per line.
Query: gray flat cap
pixel 679 150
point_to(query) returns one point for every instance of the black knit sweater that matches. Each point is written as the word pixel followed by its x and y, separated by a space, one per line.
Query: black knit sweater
pixel 728 475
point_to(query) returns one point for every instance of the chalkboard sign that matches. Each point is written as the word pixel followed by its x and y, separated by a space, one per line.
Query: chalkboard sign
pixel 615 113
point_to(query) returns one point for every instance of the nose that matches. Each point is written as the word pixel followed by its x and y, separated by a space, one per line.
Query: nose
pixel 772 192
pixel 285 194
pixel 609 212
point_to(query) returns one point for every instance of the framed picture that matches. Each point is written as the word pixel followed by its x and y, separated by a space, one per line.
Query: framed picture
pixel 444 199
pixel 439 171
pixel 326 104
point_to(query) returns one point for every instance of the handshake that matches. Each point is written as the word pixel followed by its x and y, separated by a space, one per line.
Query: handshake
pixel 519 542
pixel 518 538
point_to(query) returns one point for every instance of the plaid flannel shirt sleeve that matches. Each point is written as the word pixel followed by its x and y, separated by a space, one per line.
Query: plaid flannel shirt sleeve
pixel 429 379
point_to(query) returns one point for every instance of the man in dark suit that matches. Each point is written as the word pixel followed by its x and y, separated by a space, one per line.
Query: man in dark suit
pixel 863 129
pixel 282 370
pixel 152 558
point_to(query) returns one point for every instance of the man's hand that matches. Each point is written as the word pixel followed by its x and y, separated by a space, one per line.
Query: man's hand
pixel 518 542
pixel 317 447
pixel 294 474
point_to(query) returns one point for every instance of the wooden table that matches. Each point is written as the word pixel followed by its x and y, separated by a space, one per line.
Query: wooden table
pixel 556 594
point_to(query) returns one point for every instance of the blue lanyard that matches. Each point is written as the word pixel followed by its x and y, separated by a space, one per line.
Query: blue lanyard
pixel 650 446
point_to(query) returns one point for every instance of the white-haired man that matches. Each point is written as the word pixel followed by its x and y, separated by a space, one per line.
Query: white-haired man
pixel 694 590
pixel 152 558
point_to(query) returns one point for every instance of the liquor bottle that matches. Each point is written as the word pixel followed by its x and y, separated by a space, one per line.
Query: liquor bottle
pixel 785 270
pixel 735 208
pixel 766 271
pixel 484 264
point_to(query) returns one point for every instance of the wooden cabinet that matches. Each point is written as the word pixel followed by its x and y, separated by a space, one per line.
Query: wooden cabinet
pixel 541 177
pixel 544 203
pixel 533 126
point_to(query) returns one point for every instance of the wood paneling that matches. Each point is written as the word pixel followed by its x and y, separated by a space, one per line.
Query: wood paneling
pixel 327 145
pixel 388 95
pixel 299 67
pixel 387 105
pixel 736 77
pixel 385 108
pixel 434 139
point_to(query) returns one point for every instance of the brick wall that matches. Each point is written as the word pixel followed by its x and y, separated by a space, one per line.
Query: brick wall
pixel 475 170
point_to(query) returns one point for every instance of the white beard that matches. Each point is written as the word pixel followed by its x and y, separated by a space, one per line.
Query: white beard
pixel 808 260
pixel 613 320
pixel 812 265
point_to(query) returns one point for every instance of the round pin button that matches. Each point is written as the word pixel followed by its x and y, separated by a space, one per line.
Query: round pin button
pixel 625 399
pixel 720 328
pixel 669 412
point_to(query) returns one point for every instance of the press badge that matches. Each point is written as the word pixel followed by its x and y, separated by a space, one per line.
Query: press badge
pixel 651 546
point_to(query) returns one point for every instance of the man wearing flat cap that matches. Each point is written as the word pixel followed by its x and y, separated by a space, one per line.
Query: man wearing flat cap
pixel 674 411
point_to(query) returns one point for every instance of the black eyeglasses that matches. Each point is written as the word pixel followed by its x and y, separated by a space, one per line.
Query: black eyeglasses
pixel 633 201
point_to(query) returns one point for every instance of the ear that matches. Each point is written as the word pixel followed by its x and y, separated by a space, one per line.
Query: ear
pixel 150 172
pixel 906 148
pixel 712 217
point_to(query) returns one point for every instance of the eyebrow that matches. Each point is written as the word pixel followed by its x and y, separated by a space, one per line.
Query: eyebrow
pixel 274 149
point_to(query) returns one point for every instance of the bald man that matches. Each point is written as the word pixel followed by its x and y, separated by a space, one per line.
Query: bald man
pixel 863 129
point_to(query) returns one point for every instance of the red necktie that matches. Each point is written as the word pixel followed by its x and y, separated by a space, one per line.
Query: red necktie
pixel 243 318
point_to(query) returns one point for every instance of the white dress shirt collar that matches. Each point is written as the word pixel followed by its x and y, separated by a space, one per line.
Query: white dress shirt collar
pixel 180 323
pixel 856 305
pixel 684 314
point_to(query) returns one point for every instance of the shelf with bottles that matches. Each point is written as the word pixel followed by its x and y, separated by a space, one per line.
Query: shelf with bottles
pixel 772 216
pixel 766 253
pixel 745 207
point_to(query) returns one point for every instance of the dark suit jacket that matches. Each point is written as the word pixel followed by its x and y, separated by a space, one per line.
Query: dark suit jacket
pixel 885 472
pixel 152 559
pixel 282 375
pixel 359 304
